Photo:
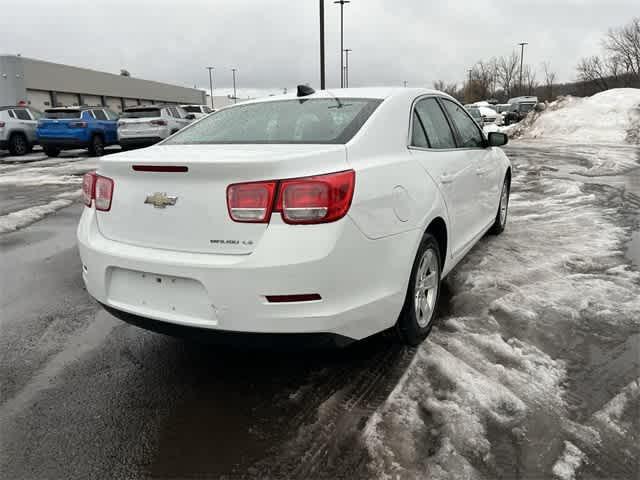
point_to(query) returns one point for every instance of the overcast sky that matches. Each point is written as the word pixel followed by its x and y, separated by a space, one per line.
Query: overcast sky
pixel 275 43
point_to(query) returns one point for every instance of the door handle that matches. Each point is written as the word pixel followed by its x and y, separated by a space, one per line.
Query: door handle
pixel 446 178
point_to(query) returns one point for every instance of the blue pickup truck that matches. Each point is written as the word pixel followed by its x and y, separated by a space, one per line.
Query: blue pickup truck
pixel 67 128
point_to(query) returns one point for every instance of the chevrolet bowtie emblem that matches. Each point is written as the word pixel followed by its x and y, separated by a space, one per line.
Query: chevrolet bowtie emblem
pixel 161 200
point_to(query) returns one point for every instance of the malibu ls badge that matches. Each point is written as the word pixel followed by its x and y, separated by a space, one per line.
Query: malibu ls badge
pixel 161 200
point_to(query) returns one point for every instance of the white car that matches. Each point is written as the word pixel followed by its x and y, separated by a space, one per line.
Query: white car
pixel 335 213
pixel 18 129
pixel 489 115
pixel 145 125
pixel 198 111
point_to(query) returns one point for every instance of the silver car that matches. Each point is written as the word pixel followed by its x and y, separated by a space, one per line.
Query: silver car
pixel 18 129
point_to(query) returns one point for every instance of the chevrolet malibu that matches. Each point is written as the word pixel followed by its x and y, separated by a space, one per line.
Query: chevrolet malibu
pixel 334 213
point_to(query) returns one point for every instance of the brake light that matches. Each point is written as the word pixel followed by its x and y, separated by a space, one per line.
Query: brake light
pixel 308 200
pixel 318 199
pixel 98 188
pixel 251 202
pixel 88 187
pixel 2 124
pixel 159 122
pixel 77 124
pixel 121 124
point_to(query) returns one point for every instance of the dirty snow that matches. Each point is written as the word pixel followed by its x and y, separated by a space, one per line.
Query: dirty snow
pixel 565 468
pixel 612 116
pixel 22 218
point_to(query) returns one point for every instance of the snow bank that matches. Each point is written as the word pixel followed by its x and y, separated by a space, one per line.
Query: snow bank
pixel 612 116
pixel 22 218
pixel 565 468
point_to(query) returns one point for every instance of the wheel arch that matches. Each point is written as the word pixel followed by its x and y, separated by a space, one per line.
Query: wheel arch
pixel 438 228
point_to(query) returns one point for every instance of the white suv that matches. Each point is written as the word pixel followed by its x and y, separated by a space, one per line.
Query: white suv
pixel 18 129
pixel 198 110
pixel 146 125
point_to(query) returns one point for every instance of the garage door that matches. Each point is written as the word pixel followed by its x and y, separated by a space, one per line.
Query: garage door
pixel 92 100
pixel 38 99
pixel 114 104
pixel 130 102
pixel 67 99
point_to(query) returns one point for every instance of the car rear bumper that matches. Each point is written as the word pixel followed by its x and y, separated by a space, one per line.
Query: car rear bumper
pixel 139 141
pixel 63 143
pixel 362 282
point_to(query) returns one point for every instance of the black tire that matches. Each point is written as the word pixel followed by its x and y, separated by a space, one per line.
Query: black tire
pixel 411 329
pixel 51 151
pixel 96 146
pixel 500 222
pixel 18 144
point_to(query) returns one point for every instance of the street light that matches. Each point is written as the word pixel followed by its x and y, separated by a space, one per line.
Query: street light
pixel 346 67
pixel 342 2
pixel 522 44
pixel 235 97
pixel 211 85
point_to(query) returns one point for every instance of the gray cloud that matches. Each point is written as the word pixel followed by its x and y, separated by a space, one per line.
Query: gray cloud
pixel 274 43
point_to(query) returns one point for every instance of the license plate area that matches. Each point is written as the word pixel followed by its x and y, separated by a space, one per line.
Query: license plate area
pixel 159 295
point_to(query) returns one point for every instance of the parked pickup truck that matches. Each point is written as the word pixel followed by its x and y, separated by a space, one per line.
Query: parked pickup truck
pixel 18 129
pixel 67 128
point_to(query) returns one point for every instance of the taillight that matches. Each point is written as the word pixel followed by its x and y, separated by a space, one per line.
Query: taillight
pixel 2 124
pixel 308 200
pixel 251 202
pixel 319 199
pixel 88 187
pixel 104 193
pixel 121 124
pixel 77 124
pixel 98 188
pixel 159 122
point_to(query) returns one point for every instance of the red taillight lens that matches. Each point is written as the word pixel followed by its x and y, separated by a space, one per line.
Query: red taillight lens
pixel 103 193
pixel 158 122
pixel 319 199
pixel 2 124
pixel 77 124
pixel 251 202
pixel 88 187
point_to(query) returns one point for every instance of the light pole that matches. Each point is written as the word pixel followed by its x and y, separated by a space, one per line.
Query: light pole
pixel 522 44
pixel 235 97
pixel 342 2
pixel 211 85
pixel 405 84
pixel 322 86
pixel 346 67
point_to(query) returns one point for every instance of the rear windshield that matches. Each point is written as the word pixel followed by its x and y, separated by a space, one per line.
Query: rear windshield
pixel 141 113
pixel 62 114
pixel 192 109
pixel 526 107
pixel 327 120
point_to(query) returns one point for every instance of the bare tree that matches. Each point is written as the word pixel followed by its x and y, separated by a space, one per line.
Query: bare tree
pixel 529 80
pixel 448 88
pixel 506 72
pixel 549 79
pixel 623 46
pixel 594 69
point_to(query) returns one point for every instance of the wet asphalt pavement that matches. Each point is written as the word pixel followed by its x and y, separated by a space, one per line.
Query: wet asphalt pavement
pixel 532 371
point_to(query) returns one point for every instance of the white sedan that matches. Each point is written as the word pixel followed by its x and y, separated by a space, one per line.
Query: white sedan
pixel 334 212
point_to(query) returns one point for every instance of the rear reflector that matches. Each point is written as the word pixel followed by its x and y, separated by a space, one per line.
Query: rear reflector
pixel 306 297
pixel 77 124
pixel 160 168
pixel 88 188
pixel 251 202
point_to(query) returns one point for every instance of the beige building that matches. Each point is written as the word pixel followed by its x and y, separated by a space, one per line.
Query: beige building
pixel 45 84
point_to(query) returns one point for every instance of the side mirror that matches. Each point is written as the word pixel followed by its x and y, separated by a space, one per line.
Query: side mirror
pixel 190 116
pixel 497 139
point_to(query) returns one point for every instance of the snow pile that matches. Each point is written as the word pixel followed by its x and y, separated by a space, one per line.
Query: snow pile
pixel 612 116
pixel 23 218
pixel 565 468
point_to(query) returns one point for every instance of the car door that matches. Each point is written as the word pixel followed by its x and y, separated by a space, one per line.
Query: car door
pixel 104 125
pixel 483 165
pixel 434 145
pixel 26 123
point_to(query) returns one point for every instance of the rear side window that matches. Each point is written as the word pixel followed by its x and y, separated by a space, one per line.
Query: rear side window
pixel 141 113
pixel 111 115
pixel 303 121
pixel 22 114
pixel 436 126
pixel 192 109
pixel 470 136
pixel 11 114
pixel 99 114
pixel 419 138
pixel 61 114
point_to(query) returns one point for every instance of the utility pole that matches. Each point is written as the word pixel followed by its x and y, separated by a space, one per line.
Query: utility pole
pixel 322 85
pixel 235 97
pixel 405 84
pixel 346 67
pixel 342 2
pixel 211 85
pixel 522 44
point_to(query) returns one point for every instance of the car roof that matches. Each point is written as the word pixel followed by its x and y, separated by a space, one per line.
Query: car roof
pixel 11 107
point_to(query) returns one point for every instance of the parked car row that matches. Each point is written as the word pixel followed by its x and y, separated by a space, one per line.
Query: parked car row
pixel 91 128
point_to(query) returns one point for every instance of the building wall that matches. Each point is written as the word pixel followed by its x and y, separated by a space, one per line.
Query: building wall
pixel 12 84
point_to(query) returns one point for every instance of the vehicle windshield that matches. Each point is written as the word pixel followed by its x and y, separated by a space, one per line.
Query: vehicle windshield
pixel 304 121
pixel 192 109
pixel 475 112
pixel 141 113
pixel 61 114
